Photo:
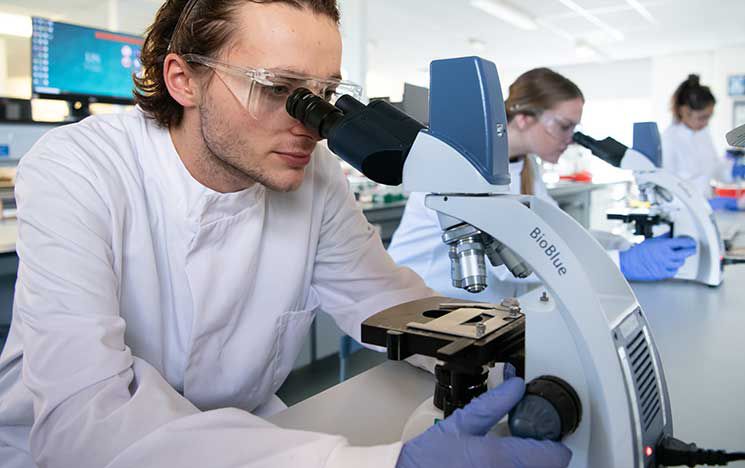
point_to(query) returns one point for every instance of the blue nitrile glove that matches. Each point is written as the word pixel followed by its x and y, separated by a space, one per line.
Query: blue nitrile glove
pixel 723 204
pixel 738 171
pixel 657 258
pixel 462 440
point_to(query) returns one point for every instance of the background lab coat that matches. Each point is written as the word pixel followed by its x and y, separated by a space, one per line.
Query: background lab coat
pixel 152 313
pixel 417 244
pixel 692 157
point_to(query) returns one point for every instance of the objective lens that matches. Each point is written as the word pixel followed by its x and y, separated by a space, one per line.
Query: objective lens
pixel 499 253
pixel 468 270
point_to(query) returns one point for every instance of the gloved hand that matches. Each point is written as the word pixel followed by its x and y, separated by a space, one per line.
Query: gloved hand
pixel 657 258
pixel 724 204
pixel 462 439
pixel 738 171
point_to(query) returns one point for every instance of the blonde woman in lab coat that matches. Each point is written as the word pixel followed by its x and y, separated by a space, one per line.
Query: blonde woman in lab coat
pixel 172 260
pixel 543 109
pixel 687 147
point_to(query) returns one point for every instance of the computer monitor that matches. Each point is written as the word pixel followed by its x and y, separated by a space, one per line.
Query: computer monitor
pixel 75 63
pixel 416 102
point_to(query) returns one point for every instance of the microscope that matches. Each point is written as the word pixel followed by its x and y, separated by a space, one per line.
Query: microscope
pixel 673 203
pixel 582 341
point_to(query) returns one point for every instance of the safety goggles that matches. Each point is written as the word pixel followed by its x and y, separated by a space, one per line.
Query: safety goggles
pixel 557 126
pixel 264 92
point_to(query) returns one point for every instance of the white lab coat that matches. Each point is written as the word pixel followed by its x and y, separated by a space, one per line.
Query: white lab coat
pixel 691 155
pixel 417 244
pixel 152 314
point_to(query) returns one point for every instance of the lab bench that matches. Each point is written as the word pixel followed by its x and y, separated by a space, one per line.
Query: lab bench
pixel 580 200
pixel 588 202
pixel 697 329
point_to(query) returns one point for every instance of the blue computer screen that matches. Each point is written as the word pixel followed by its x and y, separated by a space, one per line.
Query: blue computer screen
pixel 73 60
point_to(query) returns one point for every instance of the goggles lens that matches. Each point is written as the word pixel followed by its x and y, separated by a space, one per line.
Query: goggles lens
pixel 558 126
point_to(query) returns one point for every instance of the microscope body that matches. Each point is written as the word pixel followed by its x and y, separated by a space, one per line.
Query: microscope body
pixel 591 331
pixel 588 328
pixel 672 201
pixel 677 204
pixel 688 212
pixel 584 326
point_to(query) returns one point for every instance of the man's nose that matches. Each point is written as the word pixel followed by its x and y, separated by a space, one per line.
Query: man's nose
pixel 298 129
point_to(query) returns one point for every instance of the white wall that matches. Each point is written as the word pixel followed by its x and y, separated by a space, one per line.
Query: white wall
pixel 727 62
pixel 355 38
pixel 3 66
pixel 620 93
pixel 623 92
pixel 617 94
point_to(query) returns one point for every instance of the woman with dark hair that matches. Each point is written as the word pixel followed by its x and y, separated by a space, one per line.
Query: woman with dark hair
pixel 543 109
pixel 687 148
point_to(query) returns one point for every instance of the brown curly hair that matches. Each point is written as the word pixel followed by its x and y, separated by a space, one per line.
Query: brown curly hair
pixel 205 28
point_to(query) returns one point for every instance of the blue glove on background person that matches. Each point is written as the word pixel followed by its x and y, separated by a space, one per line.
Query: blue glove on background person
pixel 657 258
pixel 738 171
pixel 724 204
pixel 462 439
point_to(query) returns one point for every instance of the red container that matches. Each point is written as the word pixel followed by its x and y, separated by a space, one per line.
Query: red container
pixel 581 176
pixel 729 190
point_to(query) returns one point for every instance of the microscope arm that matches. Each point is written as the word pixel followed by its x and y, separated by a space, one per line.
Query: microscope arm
pixel 692 216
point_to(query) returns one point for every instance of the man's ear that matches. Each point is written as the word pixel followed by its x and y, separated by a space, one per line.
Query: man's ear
pixel 180 81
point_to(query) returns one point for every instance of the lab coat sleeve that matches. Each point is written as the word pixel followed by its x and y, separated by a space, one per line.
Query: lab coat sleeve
pixel 95 404
pixel 354 275
pixel 670 154
pixel 674 157
pixel 612 243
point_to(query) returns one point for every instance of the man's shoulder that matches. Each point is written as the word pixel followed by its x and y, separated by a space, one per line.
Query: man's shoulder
pixel 325 161
pixel 325 171
pixel 95 143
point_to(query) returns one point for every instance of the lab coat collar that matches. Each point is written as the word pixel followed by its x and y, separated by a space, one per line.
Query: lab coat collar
pixel 687 131
pixel 517 167
pixel 197 203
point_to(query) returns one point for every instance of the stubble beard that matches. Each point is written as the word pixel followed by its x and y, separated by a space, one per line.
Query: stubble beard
pixel 228 153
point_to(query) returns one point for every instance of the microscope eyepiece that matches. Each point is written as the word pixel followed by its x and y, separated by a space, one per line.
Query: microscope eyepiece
pixel 313 111
pixel 609 150
pixel 375 138
pixel 583 140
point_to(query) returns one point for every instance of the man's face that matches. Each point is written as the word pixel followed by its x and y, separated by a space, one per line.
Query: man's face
pixel 274 149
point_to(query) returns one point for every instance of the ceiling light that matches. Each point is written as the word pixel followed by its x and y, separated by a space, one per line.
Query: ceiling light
pixel 506 12
pixel 615 33
pixel 585 51
pixel 642 10
pixel 476 44
pixel 15 25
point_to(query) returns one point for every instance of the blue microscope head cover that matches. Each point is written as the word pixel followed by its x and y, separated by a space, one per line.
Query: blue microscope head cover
pixel 647 141
pixel 466 110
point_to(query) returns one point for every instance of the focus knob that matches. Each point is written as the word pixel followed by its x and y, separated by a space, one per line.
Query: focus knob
pixel 549 410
